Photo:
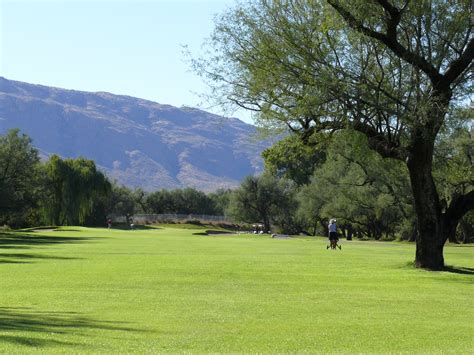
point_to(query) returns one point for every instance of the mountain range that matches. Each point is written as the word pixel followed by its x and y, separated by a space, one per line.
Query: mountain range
pixel 138 143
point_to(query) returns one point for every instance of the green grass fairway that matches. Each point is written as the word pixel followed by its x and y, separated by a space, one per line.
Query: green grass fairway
pixel 166 290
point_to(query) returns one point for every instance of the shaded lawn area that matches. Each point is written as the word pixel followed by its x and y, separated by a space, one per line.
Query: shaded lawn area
pixel 21 241
pixel 167 290
pixel 16 322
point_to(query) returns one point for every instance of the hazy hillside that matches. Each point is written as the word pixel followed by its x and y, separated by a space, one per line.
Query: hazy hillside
pixel 137 142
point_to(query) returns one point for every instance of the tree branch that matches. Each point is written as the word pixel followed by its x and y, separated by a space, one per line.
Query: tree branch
pixel 459 65
pixel 460 206
pixel 378 142
pixel 392 10
pixel 390 39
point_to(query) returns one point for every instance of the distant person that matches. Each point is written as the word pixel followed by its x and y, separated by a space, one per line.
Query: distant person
pixel 132 226
pixel 109 223
pixel 333 238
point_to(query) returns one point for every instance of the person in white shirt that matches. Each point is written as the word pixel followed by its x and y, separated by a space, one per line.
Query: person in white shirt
pixel 333 238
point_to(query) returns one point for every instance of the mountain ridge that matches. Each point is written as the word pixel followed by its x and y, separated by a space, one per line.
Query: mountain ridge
pixel 138 142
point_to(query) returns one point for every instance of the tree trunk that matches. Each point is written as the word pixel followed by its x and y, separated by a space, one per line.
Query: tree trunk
pixel 450 228
pixel 458 207
pixel 430 240
pixel 266 224
pixel 349 232
pixel 315 227
pixel 325 227
pixel 414 233
pixel 466 231
pixel 343 232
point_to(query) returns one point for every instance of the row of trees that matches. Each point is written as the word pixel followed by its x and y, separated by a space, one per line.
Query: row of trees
pixel 301 189
pixel 125 201
pixel 73 192
pixel 56 192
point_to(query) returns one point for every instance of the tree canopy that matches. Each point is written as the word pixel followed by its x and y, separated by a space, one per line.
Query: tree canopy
pixel 19 179
pixel 263 199
pixel 72 187
pixel 390 70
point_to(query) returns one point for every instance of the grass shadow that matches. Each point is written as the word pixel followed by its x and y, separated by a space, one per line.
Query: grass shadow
pixel 65 229
pixel 11 258
pixel 33 342
pixel 458 270
pixel 447 268
pixel 209 232
pixel 23 241
pixel 37 229
pixel 24 319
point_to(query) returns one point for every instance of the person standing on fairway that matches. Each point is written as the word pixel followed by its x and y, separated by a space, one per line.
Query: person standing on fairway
pixel 332 235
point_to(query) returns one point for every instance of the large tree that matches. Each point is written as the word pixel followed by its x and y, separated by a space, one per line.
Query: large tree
pixel 19 178
pixel 388 69
pixel 262 199
pixel 72 187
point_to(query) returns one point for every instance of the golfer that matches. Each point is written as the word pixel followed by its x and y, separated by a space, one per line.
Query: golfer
pixel 332 234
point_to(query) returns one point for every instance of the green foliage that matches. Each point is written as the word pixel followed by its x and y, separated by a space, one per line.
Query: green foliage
pixel 292 159
pixel 180 201
pixel 19 179
pixel 72 187
pixel 263 199
pixel 453 166
pixel 303 64
pixel 454 155
pixel 125 201
pixel 358 188
pixel 220 200
pixel 121 201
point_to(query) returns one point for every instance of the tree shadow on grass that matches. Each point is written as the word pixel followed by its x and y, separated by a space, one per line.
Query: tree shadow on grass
pixel 64 229
pixel 21 258
pixel 22 241
pixel 459 270
pixel 24 319
pixel 34 342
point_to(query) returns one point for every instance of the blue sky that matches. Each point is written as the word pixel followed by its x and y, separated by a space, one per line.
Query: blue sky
pixel 120 46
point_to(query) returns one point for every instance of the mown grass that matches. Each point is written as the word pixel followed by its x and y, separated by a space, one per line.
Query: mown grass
pixel 167 290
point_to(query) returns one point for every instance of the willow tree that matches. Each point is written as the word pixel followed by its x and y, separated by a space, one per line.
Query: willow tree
pixel 73 185
pixel 388 69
